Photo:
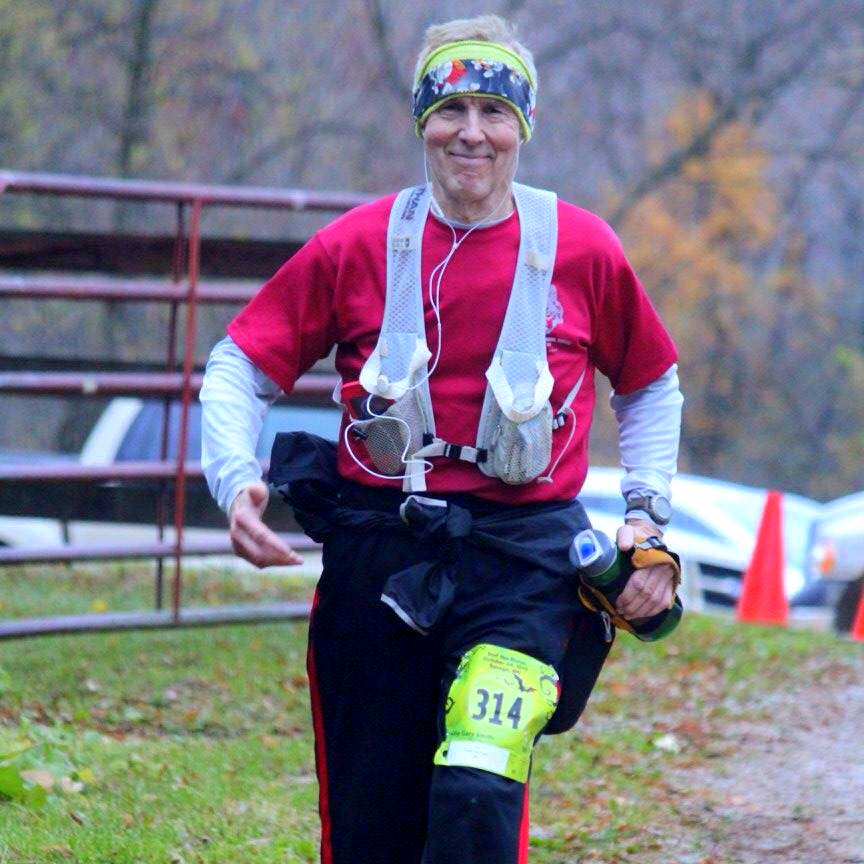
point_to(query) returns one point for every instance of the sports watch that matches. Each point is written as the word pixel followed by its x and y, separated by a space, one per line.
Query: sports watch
pixel 656 506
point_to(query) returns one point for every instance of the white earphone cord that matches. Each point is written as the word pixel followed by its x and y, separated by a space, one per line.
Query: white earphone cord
pixel 435 303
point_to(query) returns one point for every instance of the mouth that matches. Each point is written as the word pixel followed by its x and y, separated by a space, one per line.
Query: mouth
pixel 469 160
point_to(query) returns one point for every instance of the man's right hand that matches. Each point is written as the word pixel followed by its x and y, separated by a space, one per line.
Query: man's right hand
pixel 250 537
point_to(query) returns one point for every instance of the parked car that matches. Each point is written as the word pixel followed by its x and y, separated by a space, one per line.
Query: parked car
pixel 713 526
pixel 129 429
pixel 838 557
pixel 713 529
pixel 31 530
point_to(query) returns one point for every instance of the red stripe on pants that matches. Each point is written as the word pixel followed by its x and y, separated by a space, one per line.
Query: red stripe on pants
pixel 320 750
pixel 523 830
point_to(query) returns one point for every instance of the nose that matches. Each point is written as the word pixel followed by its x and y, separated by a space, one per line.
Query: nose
pixel 471 130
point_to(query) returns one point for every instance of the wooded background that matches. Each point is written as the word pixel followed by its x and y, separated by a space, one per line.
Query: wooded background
pixel 722 140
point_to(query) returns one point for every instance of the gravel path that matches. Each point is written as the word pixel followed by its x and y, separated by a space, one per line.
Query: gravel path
pixel 789 787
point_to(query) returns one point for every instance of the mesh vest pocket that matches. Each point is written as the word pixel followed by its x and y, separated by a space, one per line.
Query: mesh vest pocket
pixel 518 452
pixel 398 431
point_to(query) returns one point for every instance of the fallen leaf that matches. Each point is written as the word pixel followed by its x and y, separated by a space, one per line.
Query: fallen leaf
pixel 668 743
pixel 85 775
pixel 39 777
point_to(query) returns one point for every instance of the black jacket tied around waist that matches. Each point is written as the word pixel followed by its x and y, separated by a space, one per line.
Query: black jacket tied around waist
pixel 303 470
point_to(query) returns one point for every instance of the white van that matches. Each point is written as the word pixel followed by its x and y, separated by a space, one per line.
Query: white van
pixel 838 556
pixel 713 529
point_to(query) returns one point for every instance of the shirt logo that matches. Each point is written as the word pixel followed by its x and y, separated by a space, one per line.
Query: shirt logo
pixel 554 309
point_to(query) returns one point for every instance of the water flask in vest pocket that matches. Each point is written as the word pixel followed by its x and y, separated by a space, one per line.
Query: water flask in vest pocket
pixel 519 430
pixel 384 426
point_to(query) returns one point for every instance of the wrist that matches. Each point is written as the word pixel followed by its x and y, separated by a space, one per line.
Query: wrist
pixel 647 526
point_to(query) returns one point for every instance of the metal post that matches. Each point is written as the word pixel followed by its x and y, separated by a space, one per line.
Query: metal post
pixel 188 367
pixel 177 267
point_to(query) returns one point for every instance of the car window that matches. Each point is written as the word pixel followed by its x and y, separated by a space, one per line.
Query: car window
pixel 298 418
pixel 683 521
pixel 745 506
pixel 798 519
pixel 142 441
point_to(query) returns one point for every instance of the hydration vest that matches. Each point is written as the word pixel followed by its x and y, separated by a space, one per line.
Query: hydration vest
pixel 514 437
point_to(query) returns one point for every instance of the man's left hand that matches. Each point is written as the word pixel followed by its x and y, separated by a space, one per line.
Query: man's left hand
pixel 650 590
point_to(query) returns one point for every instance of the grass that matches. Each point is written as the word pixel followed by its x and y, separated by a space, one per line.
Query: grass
pixel 194 746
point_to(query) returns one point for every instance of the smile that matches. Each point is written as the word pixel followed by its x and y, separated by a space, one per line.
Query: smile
pixel 469 159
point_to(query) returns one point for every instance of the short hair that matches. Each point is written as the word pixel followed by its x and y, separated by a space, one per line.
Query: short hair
pixel 485 28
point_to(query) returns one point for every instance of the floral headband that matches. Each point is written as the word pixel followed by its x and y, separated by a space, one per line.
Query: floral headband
pixel 475 68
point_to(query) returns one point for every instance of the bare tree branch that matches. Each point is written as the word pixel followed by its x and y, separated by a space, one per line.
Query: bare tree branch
pixel 279 145
pixel 573 40
pixel 381 32
pixel 843 118
pixel 133 129
pixel 511 8
pixel 757 97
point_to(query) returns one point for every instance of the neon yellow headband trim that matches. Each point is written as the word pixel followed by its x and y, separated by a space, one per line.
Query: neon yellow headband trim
pixel 479 50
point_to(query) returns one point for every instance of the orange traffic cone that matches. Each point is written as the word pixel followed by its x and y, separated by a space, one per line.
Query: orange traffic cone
pixel 858 623
pixel 763 596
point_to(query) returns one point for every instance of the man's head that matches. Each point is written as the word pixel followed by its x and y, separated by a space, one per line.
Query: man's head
pixel 475 88
pixel 475 57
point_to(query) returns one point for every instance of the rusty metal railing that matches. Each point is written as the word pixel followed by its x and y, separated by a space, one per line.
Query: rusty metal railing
pixel 185 287
pixel 141 290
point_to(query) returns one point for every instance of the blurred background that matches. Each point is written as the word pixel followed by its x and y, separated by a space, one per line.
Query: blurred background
pixel 724 141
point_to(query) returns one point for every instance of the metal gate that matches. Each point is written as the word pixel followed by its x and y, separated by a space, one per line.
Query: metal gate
pixel 182 287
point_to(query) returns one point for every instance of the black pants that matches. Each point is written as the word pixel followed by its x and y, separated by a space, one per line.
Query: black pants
pixel 378 690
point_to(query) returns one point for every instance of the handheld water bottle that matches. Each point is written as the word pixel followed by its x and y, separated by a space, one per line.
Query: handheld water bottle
pixel 605 568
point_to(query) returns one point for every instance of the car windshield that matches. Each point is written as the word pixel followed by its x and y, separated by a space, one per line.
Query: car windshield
pixel 740 506
pixel 745 507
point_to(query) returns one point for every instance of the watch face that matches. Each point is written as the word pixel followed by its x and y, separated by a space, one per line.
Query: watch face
pixel 656 506
pixel 660 508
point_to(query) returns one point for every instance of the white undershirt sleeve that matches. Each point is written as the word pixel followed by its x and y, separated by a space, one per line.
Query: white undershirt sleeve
pixel 649 432
pixel 235 396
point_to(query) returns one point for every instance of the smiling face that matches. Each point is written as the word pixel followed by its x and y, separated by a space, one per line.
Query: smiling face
pixel 472 149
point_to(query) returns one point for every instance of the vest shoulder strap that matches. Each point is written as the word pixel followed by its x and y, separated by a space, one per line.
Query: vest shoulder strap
pixel 401 350
pixel 519 378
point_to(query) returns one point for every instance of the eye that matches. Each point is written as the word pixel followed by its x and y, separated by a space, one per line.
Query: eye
pixel 491 107
pixel 454 107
